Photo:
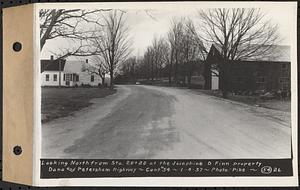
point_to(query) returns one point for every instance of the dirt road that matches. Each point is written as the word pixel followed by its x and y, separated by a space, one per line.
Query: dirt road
pixel 160 122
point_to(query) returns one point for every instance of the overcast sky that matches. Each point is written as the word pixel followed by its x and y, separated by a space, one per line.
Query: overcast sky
pixel 144 27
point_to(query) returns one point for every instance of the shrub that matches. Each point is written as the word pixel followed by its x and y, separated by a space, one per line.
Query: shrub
pixel 86 85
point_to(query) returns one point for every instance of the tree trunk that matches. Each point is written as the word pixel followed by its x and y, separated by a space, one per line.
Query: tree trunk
pixel 184 74
pixel 175 69
pixel 189 80
pixel 224 79
pixel 224 92
pixel 170 74
pixel 189 75
pixel 152 72
pixel 170 67
pixel 111 73
pixel 148 72
pixel 156 68
pixel 103 81
pixel 207 75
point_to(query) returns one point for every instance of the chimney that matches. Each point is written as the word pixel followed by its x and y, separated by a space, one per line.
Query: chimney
pixel 51 57
pixel 86 61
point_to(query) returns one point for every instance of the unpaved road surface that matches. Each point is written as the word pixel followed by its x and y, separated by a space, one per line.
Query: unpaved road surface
pixel 160 122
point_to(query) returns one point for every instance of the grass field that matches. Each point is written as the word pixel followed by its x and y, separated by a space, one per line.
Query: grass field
pixel 61 102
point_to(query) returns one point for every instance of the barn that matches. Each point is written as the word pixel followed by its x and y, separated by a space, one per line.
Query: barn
pixel 265 73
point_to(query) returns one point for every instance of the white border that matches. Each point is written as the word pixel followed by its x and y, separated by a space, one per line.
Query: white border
pixel 167 181
pixel 37 132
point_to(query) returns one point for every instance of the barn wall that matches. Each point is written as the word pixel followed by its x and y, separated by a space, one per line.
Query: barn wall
pixel 255 75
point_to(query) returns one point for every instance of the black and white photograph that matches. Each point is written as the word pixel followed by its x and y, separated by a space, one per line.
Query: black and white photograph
pixel 166 82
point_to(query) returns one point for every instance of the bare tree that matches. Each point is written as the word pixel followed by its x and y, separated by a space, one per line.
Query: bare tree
pixel 192 50
pixel 160 49
pixel 113 41
pixel 175 38
pixel 72 25
pixel 129 69
pixel 149 63
pixel 186 47
pixel 165 54
pixel 156 58
pixel 239 33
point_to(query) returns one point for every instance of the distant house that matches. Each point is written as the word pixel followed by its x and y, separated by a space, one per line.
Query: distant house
pixel 269 73
pixel 60 72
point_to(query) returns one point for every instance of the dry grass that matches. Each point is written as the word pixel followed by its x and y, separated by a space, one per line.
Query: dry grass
pixel 61 102
pixel 255 101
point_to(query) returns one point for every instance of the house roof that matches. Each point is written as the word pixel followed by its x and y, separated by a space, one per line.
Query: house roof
pixel 74 66
pixel 274 53
pixel 52 65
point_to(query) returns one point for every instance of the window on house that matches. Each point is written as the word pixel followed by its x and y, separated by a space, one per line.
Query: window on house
pixel 71 77
pixel 55 77
pixel 64 77
pixel 67 77
pixel 47 77
pixel 92 78
pixel 77 78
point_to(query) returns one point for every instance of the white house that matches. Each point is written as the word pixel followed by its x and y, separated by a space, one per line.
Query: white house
pixel 68 73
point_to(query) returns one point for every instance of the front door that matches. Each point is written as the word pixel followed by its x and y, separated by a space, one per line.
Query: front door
pixel 214 80
pixel 68 78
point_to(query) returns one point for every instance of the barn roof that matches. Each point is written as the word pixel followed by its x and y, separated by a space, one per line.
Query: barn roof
pixel 52 65
pixel 275 53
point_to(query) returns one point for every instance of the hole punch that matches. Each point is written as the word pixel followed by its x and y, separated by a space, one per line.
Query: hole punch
pixel 17 150
pixel 17 46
